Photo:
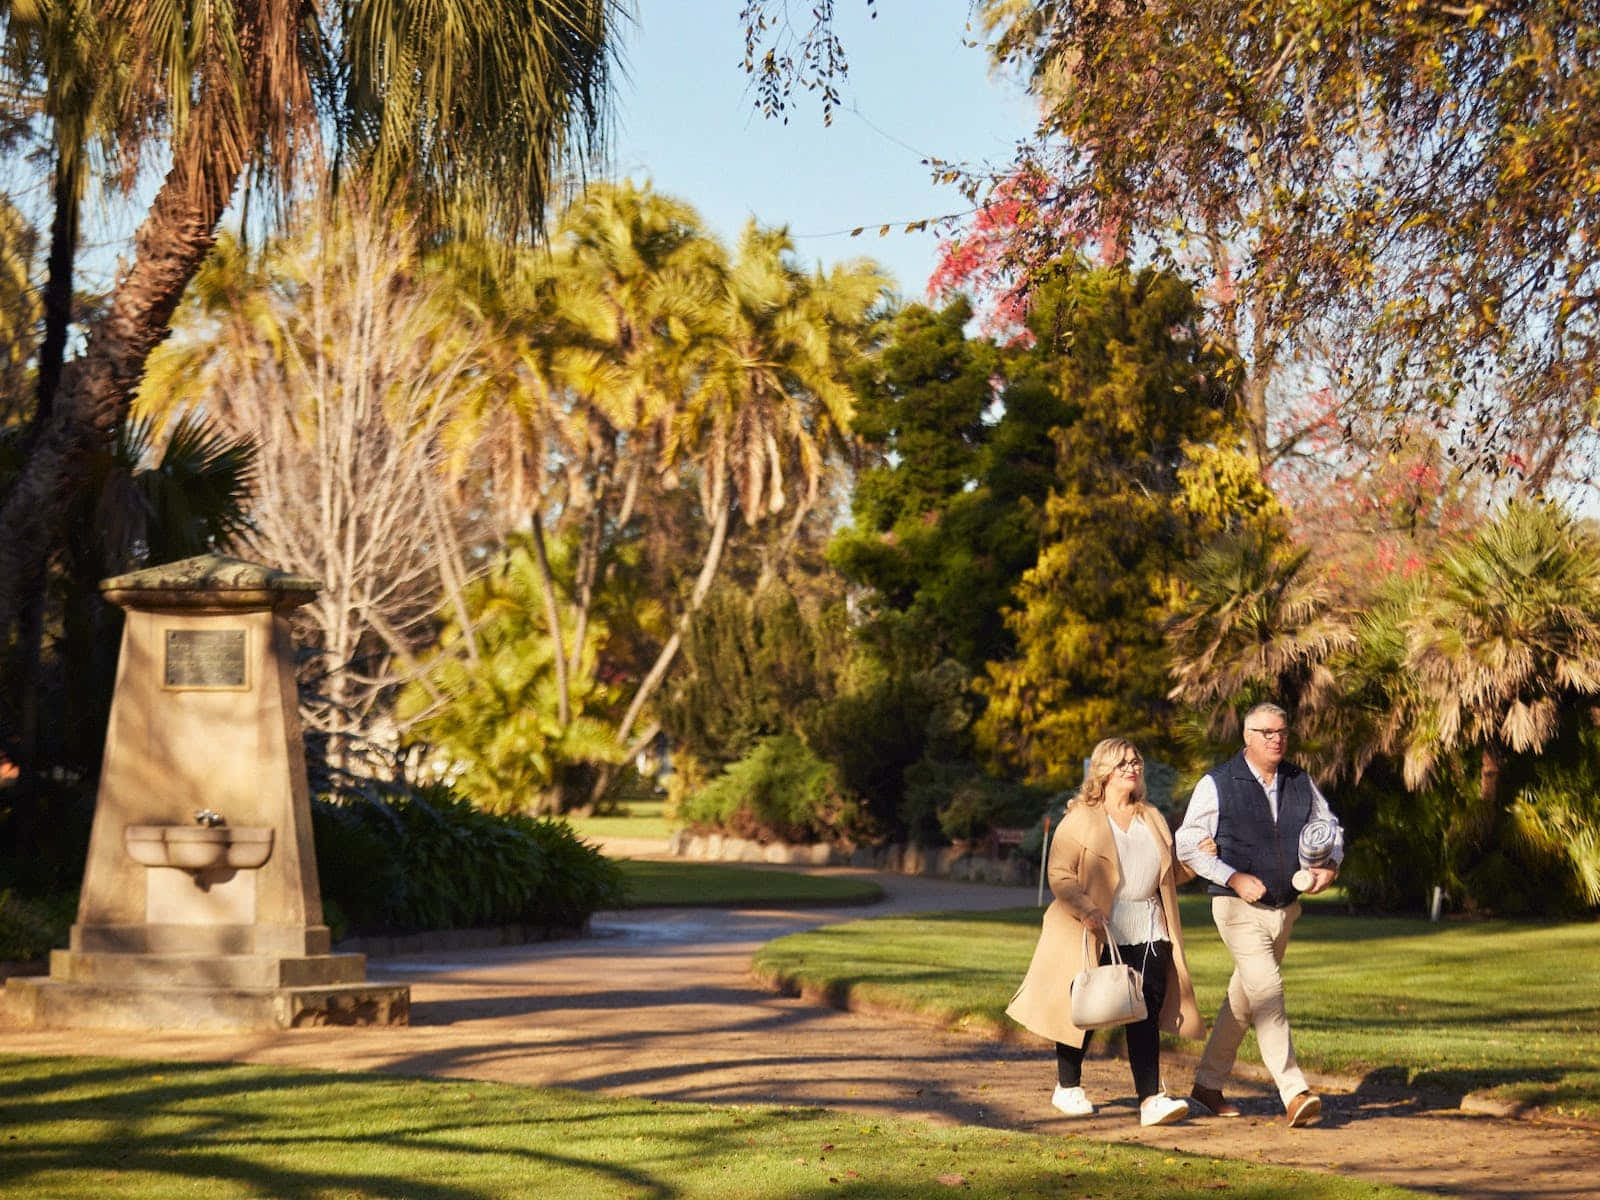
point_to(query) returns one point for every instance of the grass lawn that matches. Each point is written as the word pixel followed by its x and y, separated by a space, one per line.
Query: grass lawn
pixel 643 819
pixel 1508 1008
pixel 96 1128
pixel 653 882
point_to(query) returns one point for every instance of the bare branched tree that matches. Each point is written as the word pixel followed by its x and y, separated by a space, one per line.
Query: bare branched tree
pixel 335 353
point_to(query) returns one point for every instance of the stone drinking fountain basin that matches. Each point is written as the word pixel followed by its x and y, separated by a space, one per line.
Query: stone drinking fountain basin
pixel 198 848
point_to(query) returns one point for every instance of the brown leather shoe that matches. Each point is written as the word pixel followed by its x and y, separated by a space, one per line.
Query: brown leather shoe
pixel 1304 1109
pixel 1213 1101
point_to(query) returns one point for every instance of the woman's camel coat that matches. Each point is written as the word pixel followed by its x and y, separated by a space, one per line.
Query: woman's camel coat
pixel 1084 874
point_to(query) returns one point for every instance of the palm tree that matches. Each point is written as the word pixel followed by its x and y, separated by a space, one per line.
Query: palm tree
pixel 158 495
pixel 774 403
pixel 1504 643
pixel 468 108
pixel 1260 622
pixel 618 308
pixel 71 56
pixel 654 359
pixel 771 403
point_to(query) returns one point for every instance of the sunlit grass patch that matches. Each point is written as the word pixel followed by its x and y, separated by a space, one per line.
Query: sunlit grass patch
pixel 1452 1007
pixel 653 882
pixel 87 1128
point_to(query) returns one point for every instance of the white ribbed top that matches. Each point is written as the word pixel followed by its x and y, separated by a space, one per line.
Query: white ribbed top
pixel 1136 901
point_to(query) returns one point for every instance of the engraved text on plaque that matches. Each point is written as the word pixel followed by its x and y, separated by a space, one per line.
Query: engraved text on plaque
pixel 205 658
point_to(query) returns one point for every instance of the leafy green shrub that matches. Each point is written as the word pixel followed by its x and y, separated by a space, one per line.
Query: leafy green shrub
pixel 1557 825
pixel 964 801
pixel 1394 850
pixel 890 717
pixel 31 928
pixel 423 858
pixel 499 720
pixel 779 791
pixel 1540 858
pixel 751 667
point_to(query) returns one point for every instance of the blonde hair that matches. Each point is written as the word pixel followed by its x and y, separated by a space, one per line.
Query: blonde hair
pixel 1103 762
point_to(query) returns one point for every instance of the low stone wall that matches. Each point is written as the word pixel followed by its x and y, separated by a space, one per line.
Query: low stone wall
pixel 944 862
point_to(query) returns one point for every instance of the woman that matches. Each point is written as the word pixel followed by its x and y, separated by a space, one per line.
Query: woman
pixel 1112 869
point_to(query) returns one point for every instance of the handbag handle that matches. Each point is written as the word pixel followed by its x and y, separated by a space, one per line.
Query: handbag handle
pixel 1116 955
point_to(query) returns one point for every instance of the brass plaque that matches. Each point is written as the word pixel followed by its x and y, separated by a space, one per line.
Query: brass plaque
pixel 206 658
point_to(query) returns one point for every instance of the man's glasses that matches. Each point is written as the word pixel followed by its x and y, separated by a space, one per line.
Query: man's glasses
pixel 1275 735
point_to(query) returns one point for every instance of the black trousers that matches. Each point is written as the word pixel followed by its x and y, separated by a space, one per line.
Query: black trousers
pixel 1144 1037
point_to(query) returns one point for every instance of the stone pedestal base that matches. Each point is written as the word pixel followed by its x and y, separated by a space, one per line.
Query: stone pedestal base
pixel 209 993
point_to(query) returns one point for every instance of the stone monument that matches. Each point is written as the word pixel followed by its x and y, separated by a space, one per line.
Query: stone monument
pixel 200 906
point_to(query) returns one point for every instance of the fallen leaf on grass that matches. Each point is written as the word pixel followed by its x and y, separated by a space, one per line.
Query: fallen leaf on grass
pixel 953 1180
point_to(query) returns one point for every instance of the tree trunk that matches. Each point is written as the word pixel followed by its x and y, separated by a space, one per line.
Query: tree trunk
pixel 658 671
pixel 30 644
pixel 57 297
pixel 584 577
pixel 58 286
pixel 96 390
pixel 1482 820
pixel 1469 835
pixel 552 617
pixel 1489 779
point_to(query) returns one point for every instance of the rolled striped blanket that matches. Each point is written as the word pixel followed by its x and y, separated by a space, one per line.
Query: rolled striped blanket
pixel 1316 843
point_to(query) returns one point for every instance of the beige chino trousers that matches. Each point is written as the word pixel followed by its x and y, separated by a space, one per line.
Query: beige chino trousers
pixel 1257 938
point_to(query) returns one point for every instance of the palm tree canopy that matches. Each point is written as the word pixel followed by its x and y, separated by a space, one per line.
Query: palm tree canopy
pixel 468 109
pixel 1508 636
pixel 473 106
pixel 622 298
pixel 1260 621
pixel 774 394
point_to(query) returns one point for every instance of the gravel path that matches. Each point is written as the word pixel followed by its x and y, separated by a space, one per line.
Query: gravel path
pixel 660 1003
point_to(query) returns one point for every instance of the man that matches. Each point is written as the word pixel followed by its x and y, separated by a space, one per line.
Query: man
pixel 1242 835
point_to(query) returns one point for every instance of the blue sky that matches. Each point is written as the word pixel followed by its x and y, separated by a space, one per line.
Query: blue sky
pixel 686 120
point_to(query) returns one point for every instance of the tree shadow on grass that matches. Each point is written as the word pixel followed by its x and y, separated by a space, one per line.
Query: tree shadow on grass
pixel 91 1128
pixel 94 1128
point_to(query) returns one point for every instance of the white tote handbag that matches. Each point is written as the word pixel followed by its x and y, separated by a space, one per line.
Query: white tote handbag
pixel 1107 995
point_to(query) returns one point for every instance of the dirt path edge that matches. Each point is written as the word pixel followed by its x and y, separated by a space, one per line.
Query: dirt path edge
pixel 843 998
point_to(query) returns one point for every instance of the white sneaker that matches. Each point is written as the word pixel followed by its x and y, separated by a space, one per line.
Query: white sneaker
pixel 1072 1101
pixel 1162 1109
